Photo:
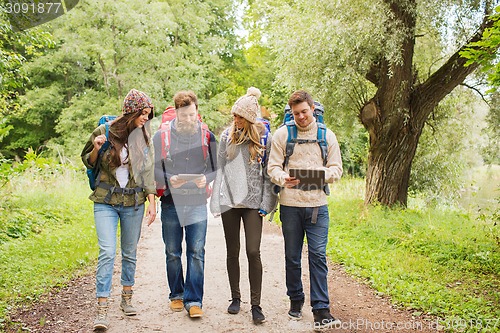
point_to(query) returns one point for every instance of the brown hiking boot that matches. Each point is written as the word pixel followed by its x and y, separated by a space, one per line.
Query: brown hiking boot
pixel 126 304
pixel 101 321
pixel 195 312
pixel 176 305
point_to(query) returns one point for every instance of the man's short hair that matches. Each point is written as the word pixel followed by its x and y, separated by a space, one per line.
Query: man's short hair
pixel 185 98
pixel 300 96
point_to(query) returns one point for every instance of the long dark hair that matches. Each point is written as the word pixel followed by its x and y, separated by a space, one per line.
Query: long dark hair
pixel 120 130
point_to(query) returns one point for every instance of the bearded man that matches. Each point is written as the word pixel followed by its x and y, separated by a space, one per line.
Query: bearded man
pixel 185 154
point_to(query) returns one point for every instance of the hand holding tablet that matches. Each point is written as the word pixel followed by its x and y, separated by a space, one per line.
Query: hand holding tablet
pixel 310 179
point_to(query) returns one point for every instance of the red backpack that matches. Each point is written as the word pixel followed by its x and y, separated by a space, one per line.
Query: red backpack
pixel 165 131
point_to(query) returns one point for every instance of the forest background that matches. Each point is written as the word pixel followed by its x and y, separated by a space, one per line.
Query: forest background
pixel 58 78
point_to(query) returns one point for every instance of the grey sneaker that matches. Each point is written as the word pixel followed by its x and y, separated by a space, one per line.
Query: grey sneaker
pixel 101 321
pixel 126 304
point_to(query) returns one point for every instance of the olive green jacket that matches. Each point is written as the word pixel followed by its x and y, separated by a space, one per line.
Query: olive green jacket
pixel 144 176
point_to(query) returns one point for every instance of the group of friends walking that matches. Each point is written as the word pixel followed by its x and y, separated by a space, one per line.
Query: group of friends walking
pixel 245 173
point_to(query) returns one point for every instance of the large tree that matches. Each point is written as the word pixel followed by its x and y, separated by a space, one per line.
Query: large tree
pixel 363 54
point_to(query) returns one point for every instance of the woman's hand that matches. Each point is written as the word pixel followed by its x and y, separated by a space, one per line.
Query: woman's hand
pixel 151 211
pixel 99 141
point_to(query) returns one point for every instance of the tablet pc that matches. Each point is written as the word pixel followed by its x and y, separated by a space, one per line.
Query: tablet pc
pixel 310 179
pixel 189 176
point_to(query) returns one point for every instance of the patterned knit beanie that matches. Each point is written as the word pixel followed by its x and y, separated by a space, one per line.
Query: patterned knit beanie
pixel 136 101
pixel 248 106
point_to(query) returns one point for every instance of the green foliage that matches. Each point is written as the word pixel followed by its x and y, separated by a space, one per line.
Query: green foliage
pixel 32 125
pixel 435 261
pixel 16 48
pixel 491 149
pixel 46 231
pixel 176 45
pixel 490 217
pixel 21 183
pixel 354 152
pixel 484 51
pixel 80 118
pixel 449 146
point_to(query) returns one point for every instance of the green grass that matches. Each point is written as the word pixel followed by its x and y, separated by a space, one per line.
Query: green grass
pixel 47 236
pixel 436 261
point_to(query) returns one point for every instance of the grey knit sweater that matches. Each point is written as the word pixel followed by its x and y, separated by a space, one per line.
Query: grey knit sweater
pixel 240 184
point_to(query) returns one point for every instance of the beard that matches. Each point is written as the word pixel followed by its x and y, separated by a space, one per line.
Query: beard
pixel 187 128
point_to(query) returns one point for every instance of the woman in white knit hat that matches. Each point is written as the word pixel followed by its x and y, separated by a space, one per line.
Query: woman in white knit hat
pixel 243 192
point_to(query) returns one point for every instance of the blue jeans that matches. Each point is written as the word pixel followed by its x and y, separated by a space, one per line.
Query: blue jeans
pixel 106 224
pixel 297 221
pixel 191 289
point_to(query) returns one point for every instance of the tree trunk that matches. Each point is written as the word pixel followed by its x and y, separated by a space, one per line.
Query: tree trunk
pixel 389 167
pixel 396 115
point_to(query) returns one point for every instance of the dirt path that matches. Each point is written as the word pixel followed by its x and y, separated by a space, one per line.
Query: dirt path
pixel 357 306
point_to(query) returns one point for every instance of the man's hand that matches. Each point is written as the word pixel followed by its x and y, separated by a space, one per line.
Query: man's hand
pixel 176 182
pixel 200 182
pixel 291 182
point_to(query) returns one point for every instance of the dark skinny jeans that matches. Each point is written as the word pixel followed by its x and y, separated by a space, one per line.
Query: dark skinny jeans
pixel 252 223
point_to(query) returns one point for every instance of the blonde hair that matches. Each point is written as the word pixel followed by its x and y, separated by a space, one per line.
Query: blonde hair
pixel 251 133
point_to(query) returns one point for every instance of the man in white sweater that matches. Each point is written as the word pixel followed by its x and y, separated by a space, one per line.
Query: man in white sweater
pixel 305 211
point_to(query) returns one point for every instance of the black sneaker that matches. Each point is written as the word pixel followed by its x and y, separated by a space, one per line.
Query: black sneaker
pixel 234 307
pixel 257 315
pixel 324 319
pixel 295 311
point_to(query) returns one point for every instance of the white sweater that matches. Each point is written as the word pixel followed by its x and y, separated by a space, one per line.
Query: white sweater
pixel 305 156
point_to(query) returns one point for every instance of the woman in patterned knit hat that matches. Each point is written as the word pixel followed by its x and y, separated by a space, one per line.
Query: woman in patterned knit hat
pixel 243 192
pixel 125 182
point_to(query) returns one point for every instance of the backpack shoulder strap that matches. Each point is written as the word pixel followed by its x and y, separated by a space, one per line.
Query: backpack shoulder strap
pixel 205 144
pixel 323 144
pixel 106 144
pixel 263 142
pixel 291 141
pixel 165 130
pixel 205 139
pixel 101 151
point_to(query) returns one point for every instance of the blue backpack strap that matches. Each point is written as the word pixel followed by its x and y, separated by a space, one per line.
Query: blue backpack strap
pixel 263 139
pixel 290 142
pixel 101 151
pixel 323 145
pixel 106 144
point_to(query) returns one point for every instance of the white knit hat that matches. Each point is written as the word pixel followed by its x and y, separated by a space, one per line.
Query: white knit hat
pixel 248 106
